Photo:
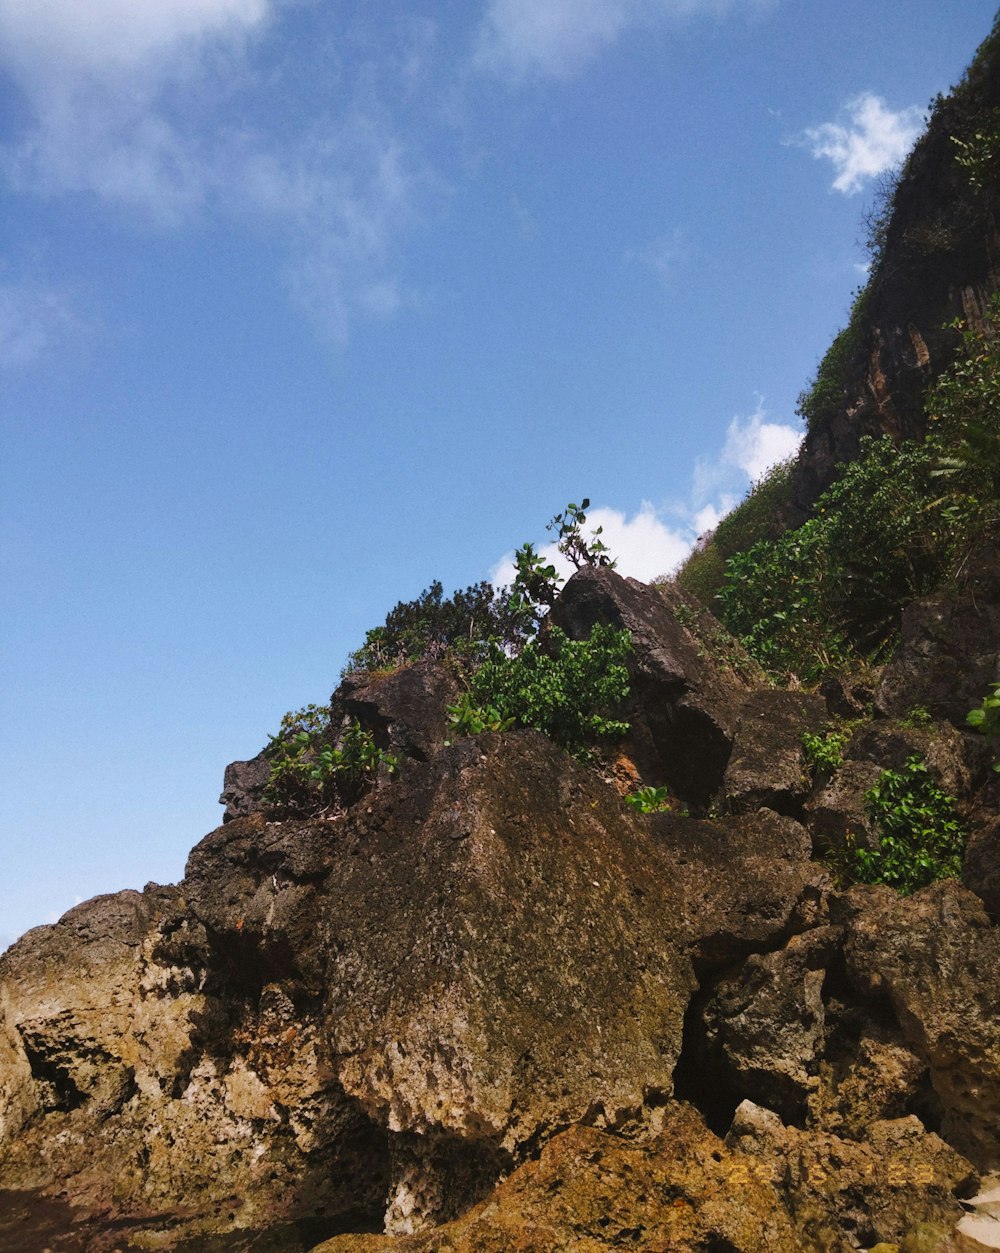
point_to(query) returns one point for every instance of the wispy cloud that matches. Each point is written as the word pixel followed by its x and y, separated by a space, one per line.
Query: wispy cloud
pixel 752 446
pixel 665 256
pixel 34 320
pixel 129 106
pixel 557 38
pixel 871 140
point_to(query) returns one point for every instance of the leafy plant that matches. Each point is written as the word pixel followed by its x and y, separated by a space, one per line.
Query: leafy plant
pixel 310 773
pixel 572 543
pixel 649 800
pixel 466 717
pixel 920 838
pixel 829 392
pixel 432 625
pixel 824 751
pixel 986 719
pixel 562 688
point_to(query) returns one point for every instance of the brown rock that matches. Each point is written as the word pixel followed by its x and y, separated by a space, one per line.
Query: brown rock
pixel 682 708
pixel 767 766
pixel 936 959
pixel 589 1191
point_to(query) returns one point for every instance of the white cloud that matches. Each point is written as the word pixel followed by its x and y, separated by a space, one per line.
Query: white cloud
pixel 48 39
pixel 556 38
pixel 753 445
pixel 644 546
pixel 128 108
pixel 33 321
pixel 875 139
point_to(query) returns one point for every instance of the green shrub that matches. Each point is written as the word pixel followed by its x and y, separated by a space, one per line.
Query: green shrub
pixel 829 393
pixel 563 688
pixel 649 800
pixel 920 838
pixel 986 719
pixel 311 774
pixel 432 625
pixel 833 589
pixel 824 751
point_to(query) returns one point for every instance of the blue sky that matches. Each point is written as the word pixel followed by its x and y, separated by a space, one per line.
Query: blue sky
pixel 304 305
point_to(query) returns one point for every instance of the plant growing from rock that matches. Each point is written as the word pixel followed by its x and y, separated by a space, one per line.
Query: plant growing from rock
pixel 920 837
pixel 986 719
pixel 649 800
pixel 562 687
pixel 310 773
pixel 824 750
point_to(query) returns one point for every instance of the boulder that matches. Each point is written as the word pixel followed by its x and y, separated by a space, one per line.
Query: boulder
pixel 935 958
pixel 243 787
pixel 767 767
pixel 745 882
pixel 681 1190
pixel 683 708
pixel 406 709
pixel 949 653
pixel 847 1194
pixel 981 865
pixel 837 813
pixel 341 1023
pixel 766 1022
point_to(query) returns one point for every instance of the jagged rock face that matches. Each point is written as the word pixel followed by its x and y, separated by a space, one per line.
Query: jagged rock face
pixel 323 1014
pixel 682 708
pixel 766 768
pixel 939 262
pixel 405 710
pixel 243 787
pixel 936 959
pixel 682 1190
pixel 948 656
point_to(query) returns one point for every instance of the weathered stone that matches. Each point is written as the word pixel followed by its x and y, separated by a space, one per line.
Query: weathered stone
pixel 682 708
pixel 958 762
pixel 766 767
pixel 746 882
pixel 766 1022
pixel 936 959
pixel 406 710
pixel 950 648
pixel 590 1191
pixel 845 1194
pixel 981 865
pixel 243 787
pixel 837 813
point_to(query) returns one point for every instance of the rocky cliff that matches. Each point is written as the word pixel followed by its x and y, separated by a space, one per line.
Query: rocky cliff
pixel 935 238
pixel 490 1006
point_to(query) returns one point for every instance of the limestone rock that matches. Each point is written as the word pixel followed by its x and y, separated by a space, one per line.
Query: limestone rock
pixel 590 1191
pixel 836 811
pixel 936 959
pixel 845 1194
pixel 767 1022
pixel 767 767
pixel 683 709
pixel 243 787
pixel 746 882
pixel 405 710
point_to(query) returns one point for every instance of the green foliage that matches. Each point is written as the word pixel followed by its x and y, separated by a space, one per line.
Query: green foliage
pixel 830 390
pixel 572 543
pixel 920 838
pixel 978 154
pixel 559 686
pixel 986 719
pixel 310 773
pixel 432 625
pixel 824 751
pixel 466 717
pixel 763 514
pixel 702 573
pixel 833 588
pixel 917 716
pixel 649 800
